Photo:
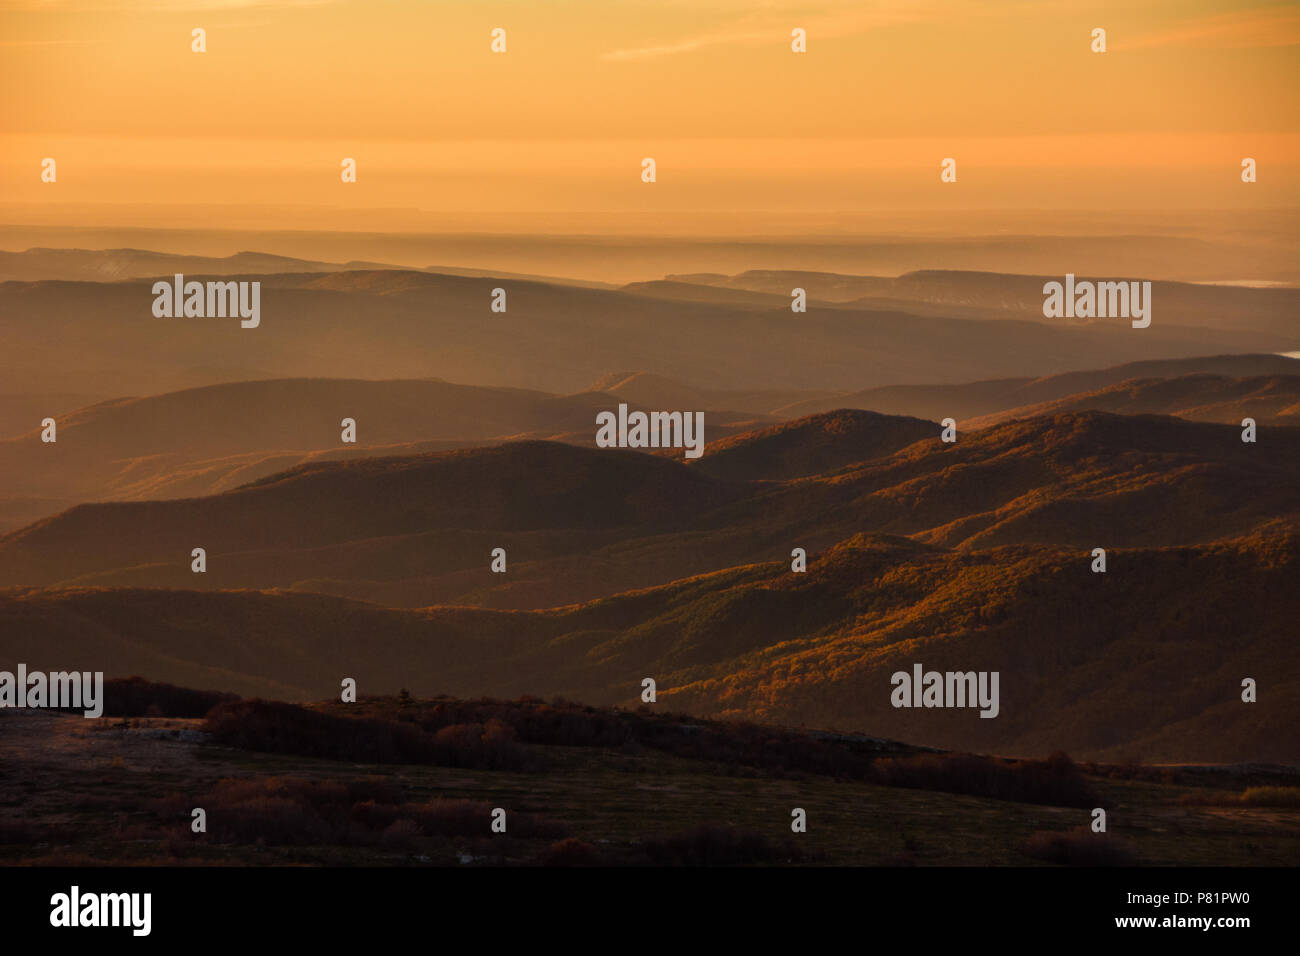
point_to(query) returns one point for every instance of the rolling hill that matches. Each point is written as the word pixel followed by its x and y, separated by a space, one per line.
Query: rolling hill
pixel 978 400
pixel 1268 399
pixel 993 295
pixel 580 523
pixel 661 391
pixel 811 446
pixel 93 265
pixel 519 487
pixel 1153 669
pixel 209 440
pixel 405 324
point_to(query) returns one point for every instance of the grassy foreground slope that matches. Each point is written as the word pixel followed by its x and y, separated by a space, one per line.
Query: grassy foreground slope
pixel 583 786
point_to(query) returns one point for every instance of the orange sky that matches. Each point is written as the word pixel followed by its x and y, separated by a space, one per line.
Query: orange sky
pixel 551 134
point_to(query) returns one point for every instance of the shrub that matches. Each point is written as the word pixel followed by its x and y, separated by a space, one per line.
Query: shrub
pixel 375 816
pixel 137 697
pixel 1055 781
pixel 571 852
pixel 360 812
pixel 715 845
pixel 277 821
pixel 292 810
pixel 1079 847
pixel 1281 797
pixel 400 834
pixel 1271 797
pixel 490 746
pixel 274 727
pixel 454 818
pixel 468 818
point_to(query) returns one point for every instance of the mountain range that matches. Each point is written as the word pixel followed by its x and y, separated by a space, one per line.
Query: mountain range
pixel 1144 662
pixel 825 443
pixel 581 523
pixel 84 342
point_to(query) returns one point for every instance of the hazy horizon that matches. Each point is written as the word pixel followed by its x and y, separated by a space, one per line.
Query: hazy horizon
pixel 1212 246
pixel 556 128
